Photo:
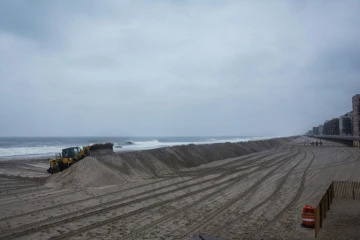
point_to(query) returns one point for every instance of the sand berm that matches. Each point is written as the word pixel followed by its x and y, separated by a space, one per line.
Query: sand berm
pixel 105 167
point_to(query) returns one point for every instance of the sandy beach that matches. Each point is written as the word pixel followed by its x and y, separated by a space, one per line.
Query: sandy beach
pixel 253 190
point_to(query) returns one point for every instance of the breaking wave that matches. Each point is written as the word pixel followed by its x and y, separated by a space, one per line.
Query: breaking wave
pixel 48 148
pixel 143 145
pixel 38 151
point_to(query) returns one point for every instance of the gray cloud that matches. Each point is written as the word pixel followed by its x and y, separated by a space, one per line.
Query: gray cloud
pixel 176 68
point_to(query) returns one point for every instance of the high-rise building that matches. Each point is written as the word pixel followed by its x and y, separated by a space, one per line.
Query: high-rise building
pixel 321 129
pixel 331 127
pixel 326 128
pixel 316 131
pixel 356 115
pixel 345 124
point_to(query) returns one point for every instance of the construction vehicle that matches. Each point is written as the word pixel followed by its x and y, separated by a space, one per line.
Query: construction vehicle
pixel 70 156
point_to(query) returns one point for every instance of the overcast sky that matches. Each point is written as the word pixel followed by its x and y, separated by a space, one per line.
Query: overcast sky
pixel 170 68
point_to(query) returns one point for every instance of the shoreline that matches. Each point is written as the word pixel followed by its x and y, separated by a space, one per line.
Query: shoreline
pixel 31 157
pixel 117 149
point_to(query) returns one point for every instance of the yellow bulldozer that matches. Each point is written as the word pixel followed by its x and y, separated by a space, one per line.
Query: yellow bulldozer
pixel 70 156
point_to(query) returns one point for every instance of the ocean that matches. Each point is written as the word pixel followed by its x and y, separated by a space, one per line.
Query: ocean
pixel 32 147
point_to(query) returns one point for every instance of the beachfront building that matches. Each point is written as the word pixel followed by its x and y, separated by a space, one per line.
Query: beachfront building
pixel 321 129
pixel 345 124
pixel 331 127
pixel 356 115
pixel 316 131
pixel 326 127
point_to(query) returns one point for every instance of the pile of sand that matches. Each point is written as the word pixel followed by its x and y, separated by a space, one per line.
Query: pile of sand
pixel 89 172
pixel 192 155
pixel 134 165
pixel 108 168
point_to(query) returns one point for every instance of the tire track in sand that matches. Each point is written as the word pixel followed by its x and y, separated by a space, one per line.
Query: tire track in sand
pixel 54 221
pixel 122 190
pixel 295 198
pixel 228 224
pixel 140 231
pixel 251 190
pixel 26 188
pixel 86 199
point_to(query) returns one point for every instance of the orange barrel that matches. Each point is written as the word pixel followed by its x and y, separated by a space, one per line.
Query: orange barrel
pixel 308 217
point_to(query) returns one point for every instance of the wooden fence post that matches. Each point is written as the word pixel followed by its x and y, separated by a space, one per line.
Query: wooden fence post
pixel 349 189
pixel 334 191
pixel 321 214
pixel 325 206
pixel 354 193
pixel 317 221
pixel 331 195
pixel 345 188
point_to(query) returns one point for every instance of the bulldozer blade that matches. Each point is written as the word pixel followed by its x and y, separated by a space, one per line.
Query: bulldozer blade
pixel 102 146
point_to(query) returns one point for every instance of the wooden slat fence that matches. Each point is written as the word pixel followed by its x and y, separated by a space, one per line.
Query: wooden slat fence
pixel 345 189
pixel 323 207
pixel 340 189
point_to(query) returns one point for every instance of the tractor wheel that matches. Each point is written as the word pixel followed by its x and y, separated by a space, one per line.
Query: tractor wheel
pixel 55 169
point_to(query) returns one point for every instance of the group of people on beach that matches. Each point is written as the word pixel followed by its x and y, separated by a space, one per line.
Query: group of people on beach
pixel 317 143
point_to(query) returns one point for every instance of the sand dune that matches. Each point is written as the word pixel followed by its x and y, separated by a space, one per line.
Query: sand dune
pixel 108 168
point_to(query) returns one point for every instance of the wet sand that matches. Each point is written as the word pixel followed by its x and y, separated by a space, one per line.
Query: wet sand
pixel 259 195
